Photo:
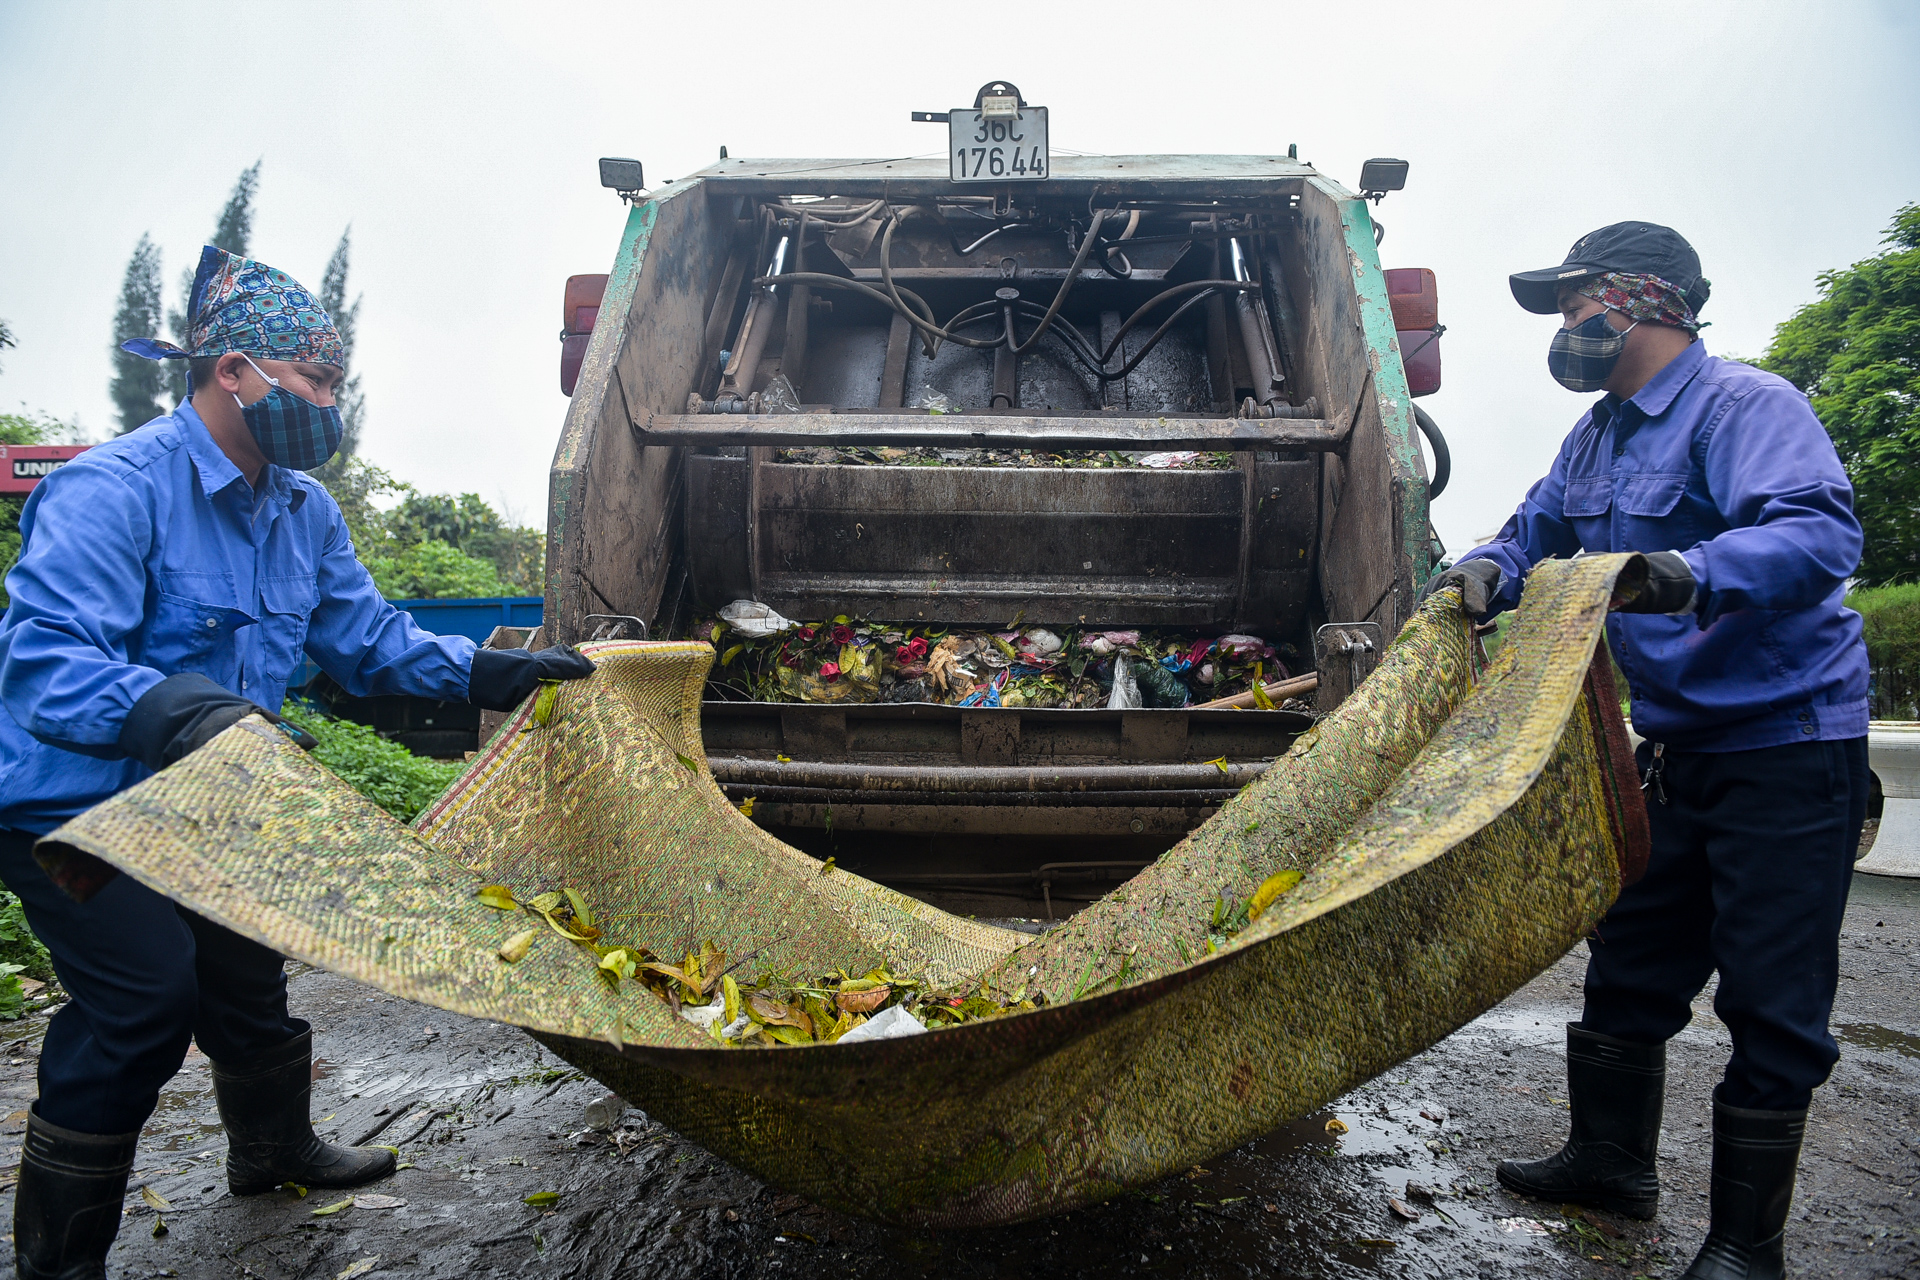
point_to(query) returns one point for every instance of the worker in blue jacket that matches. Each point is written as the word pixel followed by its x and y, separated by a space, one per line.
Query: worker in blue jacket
pixel 1749 682
pixel 168 583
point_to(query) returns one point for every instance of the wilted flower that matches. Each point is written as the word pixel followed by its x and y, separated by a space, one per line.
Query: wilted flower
pixel 843 634
pixel 829 671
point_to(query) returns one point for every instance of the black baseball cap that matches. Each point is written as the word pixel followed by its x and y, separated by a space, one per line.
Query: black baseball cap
pixel 1635 248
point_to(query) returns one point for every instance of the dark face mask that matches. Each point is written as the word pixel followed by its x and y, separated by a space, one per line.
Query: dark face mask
pixel 290 431
pixel 1582 358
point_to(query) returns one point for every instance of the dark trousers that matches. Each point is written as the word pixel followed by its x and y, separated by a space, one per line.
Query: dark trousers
pixel 1752 859
pixel 145 977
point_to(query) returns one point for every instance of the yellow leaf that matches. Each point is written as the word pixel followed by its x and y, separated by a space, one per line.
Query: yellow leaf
pixel 296 1188
pixel 1219 762
pixel 515 949
pixel 542 1199
pixel 731 990
pixel 544 702
pixel 746 807
pixel 713 636
pixel 827 866
pixel 587 935
pixel 326 1210
pixel 159 1227
pixel 157 1202
pixel 580 911
pixel 545 902
pixel 497 896
pixel 1260 698
pixel 359 1268
pixel 782 759
pixel 1272 888
pixel 789 1035
pixel 1336 1126
pixel 726 659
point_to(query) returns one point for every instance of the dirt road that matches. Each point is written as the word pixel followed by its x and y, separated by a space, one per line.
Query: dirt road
pixel 485 1118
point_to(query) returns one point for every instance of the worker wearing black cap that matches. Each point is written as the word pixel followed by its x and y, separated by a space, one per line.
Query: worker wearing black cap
pixel 1749 683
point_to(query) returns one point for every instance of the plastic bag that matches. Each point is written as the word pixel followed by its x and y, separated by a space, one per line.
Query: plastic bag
pixel 888 1024
pixel 780 397
pixel 704 1016
pixel 932 401
pixel 753 619
pixel 1126 693
pixel 1180 458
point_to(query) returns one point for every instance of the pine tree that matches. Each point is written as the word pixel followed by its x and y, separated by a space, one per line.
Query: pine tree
pixel 137 383
pixel 346 318
pixel 234 233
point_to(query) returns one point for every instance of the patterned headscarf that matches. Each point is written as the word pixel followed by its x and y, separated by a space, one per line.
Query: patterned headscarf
pixel 1642 297
pixel 241 305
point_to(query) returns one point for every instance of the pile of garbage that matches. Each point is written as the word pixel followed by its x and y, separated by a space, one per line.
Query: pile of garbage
pixel 764 657
pixel 766 1011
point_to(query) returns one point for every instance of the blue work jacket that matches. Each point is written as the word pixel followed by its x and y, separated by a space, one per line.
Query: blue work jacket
pixel 1728 466
pixel 151 555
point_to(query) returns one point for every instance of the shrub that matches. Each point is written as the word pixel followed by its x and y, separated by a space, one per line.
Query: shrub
pixel 1892 621
pixel 385 772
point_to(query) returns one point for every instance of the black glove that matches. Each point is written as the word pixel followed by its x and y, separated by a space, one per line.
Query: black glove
pixel 185 712
pixel 502 679
pixel 1669 587
pixel 1478 579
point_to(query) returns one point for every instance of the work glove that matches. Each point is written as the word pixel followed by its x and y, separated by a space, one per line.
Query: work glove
pixel 501 679
pixel 1479 581
pixel 185 712
pixel 1669 588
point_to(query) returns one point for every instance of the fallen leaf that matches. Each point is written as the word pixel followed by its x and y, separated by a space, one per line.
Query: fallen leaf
pixel 579 905
pixel 783 759
pixel 296 1188
pixel 327 1210
pixel 1336 1126
pixel 746 807
pixel 159 1227
pixel 1403 1210
pixel 404 1164
pixel 862 1001
pixel 377 1202
pixel 1376 1244
pixel 497 896
pixel 542 1199
pixel 1419 1193
pixel 1271 889
pixel 1437 1119
pixel 155 1201
pixel 515 949
pixel 544 702
pixel 827 866
pixel 1219 763
pixel 359 1268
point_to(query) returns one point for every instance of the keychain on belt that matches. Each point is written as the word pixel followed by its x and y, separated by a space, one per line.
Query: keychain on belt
pixel 1653 780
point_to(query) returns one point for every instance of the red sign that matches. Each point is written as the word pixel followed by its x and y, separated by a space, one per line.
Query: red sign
pixel 22 466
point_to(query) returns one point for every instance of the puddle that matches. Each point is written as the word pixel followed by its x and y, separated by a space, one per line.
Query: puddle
pixel 1867 1035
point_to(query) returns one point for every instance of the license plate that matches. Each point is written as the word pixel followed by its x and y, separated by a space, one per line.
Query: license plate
pixel 983 150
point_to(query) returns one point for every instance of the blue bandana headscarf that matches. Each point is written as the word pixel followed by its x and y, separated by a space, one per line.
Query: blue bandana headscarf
pixel 241 305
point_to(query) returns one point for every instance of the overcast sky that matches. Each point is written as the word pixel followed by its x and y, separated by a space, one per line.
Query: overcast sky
pixel 459 142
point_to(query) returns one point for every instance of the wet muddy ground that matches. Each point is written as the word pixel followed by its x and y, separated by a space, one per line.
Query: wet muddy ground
pixel 484 1118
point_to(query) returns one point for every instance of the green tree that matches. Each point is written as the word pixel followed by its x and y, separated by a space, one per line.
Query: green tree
pixel 1856 352
pixel 434 569
pixel 346 318
pixel 137 383
pixel 232 232
pixel 517 553
pixel 6 336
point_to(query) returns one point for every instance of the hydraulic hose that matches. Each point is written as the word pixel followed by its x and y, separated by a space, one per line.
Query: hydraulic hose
pixel 1442 459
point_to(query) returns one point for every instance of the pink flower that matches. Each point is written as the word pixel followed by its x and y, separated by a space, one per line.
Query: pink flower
pixel 917 647
pixel 829 671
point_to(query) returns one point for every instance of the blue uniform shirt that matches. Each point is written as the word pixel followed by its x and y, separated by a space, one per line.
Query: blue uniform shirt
pixel 1728 466
pixel 151 555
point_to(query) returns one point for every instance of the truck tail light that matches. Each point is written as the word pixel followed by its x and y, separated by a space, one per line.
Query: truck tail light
pixel 1415 299
pixel 580 308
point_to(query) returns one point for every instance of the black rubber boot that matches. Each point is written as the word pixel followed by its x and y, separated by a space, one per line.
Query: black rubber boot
pixel 66 1209
pixel 1616 1088
pixel 270 1137
pixel 1755 1154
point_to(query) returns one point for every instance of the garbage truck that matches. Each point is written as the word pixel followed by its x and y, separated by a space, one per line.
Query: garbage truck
pixel 1032 503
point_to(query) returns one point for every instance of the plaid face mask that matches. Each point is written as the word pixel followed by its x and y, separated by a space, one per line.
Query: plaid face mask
pixel 291 431
pixel 1582 358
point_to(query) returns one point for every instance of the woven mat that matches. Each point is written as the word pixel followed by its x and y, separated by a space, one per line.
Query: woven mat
pixel 1457 832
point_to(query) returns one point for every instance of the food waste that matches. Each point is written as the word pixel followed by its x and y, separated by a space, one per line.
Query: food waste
pixel 763 657
pixel 742 1008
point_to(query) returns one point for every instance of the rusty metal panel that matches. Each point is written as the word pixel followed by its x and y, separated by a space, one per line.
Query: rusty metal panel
pixel 989 431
